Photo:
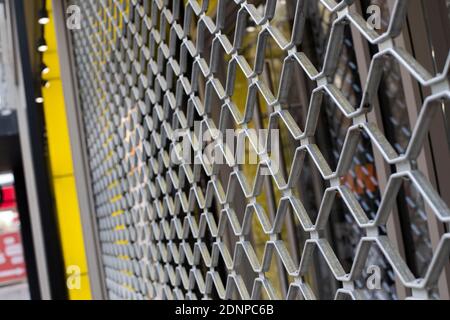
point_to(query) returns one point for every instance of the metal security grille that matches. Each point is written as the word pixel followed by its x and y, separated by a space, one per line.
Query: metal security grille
pixel 309 222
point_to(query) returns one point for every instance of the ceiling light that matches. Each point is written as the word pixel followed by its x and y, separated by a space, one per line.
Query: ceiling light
pixel 44 69
pixel 45 84
pixel 42 45
pixel 43 17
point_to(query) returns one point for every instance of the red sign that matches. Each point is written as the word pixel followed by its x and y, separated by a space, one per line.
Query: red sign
pixel 12 264
pixel 7 198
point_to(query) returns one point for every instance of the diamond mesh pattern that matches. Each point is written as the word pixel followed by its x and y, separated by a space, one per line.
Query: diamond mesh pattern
pixel 171 229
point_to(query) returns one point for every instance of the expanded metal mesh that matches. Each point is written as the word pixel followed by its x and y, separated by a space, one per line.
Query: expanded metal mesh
pixel 315 226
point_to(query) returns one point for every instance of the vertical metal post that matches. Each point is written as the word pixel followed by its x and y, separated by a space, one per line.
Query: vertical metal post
pixel 49 263
pixel 81 166
pixel 414 39
pixel 382 168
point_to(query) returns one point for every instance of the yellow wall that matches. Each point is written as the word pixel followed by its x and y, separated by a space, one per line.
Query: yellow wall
pixel 61 166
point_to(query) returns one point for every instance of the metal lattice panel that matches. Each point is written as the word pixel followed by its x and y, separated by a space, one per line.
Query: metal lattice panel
pixel 150 71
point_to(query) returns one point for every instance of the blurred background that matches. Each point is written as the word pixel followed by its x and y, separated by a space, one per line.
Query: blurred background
pixel 40 228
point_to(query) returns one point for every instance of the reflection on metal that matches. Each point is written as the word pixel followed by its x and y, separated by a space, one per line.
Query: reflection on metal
pixel 172 229
pixel 5 64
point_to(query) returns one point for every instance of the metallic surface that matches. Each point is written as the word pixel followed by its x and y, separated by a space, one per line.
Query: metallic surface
pixel 6 61
pixel 171 229
pixel 80 170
